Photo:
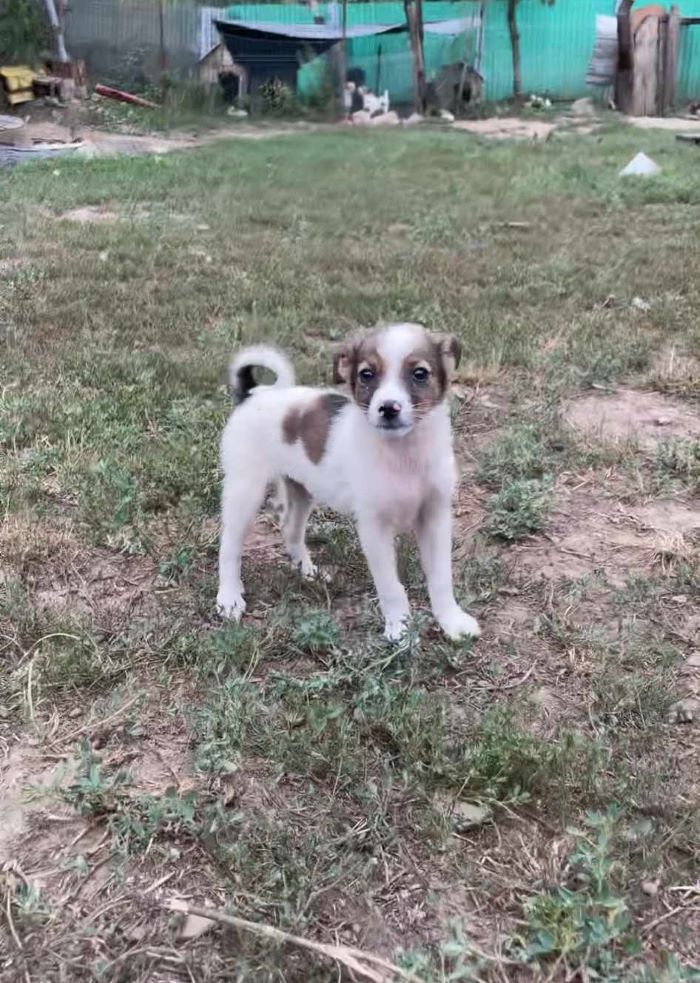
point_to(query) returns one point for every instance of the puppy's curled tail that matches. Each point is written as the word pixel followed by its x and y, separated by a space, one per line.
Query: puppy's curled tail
pixel 259 356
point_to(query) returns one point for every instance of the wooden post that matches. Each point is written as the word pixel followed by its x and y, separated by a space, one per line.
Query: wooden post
pixel 412 15
pixel 670 63
pixel 515 49
pixel 162 54
pixel 647 44
pixel 662 42
pixel 343 60
pixel 625 58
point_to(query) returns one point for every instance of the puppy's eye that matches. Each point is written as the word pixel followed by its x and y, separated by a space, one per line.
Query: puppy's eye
pixel 420 374
pixel 366 375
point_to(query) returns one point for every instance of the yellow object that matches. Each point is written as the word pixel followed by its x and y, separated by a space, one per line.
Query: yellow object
pixel 17 81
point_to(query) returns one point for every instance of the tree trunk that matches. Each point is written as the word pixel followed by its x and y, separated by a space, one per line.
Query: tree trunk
pixel 57 28
pixel 515 48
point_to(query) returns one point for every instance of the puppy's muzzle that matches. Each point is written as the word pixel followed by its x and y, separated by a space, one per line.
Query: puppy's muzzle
pixel 389 413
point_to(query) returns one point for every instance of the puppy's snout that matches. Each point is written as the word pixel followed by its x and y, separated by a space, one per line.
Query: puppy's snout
pixel 390 409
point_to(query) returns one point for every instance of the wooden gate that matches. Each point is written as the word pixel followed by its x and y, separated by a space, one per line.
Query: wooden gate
pixel 647 68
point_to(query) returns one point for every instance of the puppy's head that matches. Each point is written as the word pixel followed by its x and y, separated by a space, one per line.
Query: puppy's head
pixel 397 374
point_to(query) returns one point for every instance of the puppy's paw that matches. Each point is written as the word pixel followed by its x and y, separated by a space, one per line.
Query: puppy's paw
pixel 395 627
pixel 230 606
pixel 458 624
pixel 306 567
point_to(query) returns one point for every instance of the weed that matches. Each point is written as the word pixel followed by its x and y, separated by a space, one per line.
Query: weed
pixel 95 791
pixel 316 632
pixel 586 921
pixel 680 459
pixel 519 508
pixel 523 452
pixel 227 725
pixel 177 566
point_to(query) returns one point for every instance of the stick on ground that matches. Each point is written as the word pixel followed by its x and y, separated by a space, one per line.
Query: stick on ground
pixel 364 964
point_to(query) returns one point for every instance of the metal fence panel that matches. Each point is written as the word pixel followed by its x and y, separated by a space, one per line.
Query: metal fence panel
pixel 119 39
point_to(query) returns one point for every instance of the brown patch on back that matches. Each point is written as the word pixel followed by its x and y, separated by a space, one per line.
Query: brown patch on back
pixel 312 423
pixel 290 425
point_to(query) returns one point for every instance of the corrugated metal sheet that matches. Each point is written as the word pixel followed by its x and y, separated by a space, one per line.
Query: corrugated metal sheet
pixel 386 60
pixel 556 45
pixel 313 32
pixel 119 41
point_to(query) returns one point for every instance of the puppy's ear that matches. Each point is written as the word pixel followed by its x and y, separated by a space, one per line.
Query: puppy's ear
pixel 341 363
pixel 450 348
pixel 344 357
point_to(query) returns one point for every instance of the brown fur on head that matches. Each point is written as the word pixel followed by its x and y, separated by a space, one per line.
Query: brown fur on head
pixel 439 353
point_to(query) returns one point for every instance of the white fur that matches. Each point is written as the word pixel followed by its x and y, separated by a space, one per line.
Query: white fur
pixel 266 357
pixel 393 347
pixel 391 481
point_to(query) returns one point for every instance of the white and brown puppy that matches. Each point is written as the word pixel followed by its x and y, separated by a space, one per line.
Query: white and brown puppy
pixel 383 454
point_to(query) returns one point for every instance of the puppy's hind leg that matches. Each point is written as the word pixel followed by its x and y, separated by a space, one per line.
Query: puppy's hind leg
pixel 299 504
pixel 278 499
pixel 241 498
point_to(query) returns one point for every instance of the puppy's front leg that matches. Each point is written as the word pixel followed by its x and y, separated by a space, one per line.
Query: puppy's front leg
pixel 378 545
pixel 434 532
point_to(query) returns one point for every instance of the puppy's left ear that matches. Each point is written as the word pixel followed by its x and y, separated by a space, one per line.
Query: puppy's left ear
pixel 450 348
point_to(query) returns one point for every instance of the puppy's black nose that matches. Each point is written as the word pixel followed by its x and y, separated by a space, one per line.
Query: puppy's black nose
pixel 390 410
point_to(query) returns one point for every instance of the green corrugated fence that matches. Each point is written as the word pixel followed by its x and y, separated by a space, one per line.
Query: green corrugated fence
pixel 556 44
pixel 386 60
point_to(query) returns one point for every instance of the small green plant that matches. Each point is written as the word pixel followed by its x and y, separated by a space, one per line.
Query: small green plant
pixel 519 508
pixel 680 459
pixel 585 921
pixel 95 791
pixel 523 451
pixel 227 724
pixel 277 99
pixel 177 565
pixel 316 632
pixel 482 576
pixel 170 815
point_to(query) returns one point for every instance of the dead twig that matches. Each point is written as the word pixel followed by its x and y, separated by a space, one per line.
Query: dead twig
pixel 666 915
pixel 101 723
pixel 364 964
pixel 10 922
pixel 514 684
pixel 160 882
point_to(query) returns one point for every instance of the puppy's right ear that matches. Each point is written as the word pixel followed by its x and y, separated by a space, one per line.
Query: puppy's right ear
pixel 343 357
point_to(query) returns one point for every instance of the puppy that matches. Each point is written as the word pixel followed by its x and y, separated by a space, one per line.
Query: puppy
pixel 383 454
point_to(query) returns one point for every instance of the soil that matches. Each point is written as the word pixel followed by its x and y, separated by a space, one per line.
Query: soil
pixel 589 532
pixel 647 417
pixel 507 128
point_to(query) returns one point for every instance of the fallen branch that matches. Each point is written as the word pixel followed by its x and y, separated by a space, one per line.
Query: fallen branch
pixel 364 964
pixel 107 92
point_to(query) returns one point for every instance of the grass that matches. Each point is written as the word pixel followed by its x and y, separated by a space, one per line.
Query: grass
pixel 470 811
